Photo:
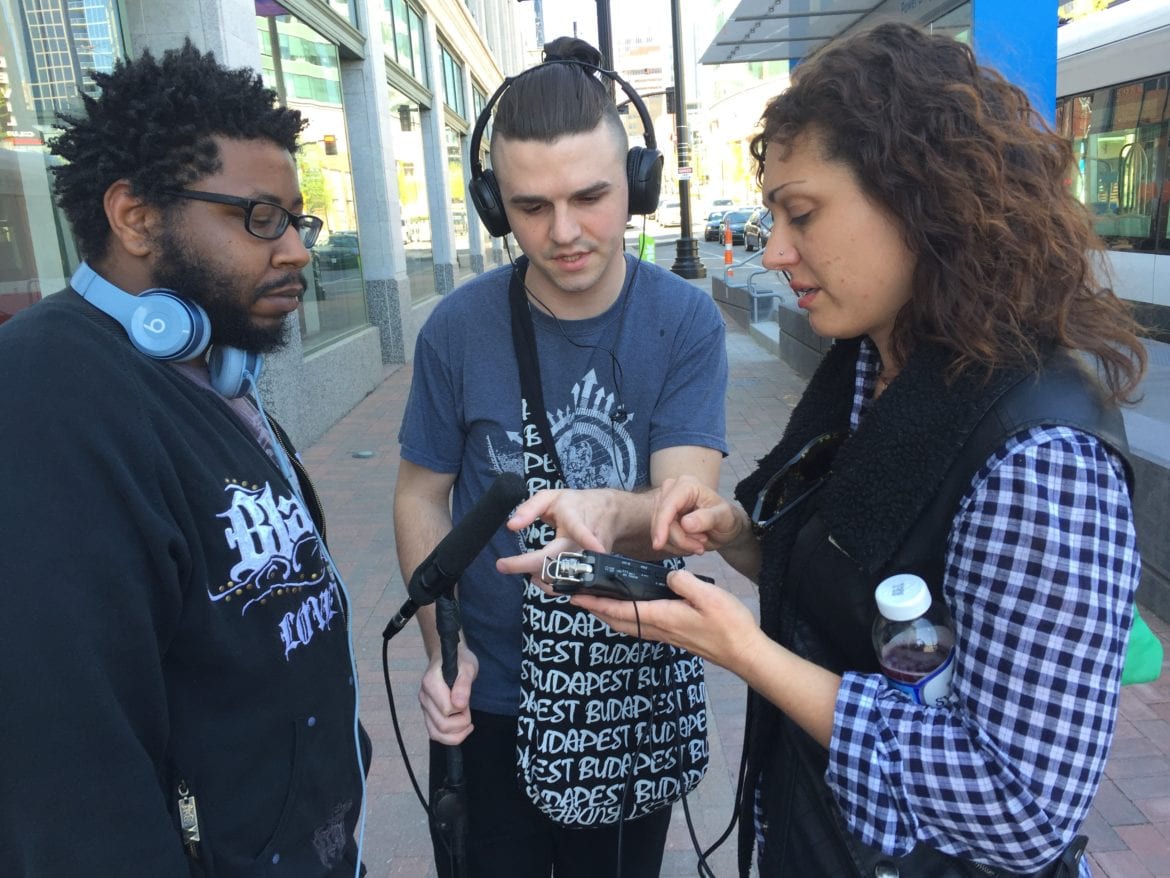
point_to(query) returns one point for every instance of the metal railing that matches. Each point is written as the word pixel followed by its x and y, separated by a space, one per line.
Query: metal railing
pixel 757 295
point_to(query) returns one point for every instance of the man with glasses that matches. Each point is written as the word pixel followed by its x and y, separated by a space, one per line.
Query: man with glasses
pixel 177 673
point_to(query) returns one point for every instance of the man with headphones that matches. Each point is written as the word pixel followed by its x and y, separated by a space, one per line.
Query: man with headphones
pixel 177 670
pixel 577 365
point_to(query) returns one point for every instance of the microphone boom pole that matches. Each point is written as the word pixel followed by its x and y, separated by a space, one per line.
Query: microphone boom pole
pixel 434 581
pixel 436 576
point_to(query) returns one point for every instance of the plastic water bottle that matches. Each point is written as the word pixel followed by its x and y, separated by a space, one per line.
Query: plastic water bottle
pixel 913 639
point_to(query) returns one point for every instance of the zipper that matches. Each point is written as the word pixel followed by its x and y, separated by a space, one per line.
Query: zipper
pixel 302 477
pixel 311 499
pixel 836 545
pixel 188 820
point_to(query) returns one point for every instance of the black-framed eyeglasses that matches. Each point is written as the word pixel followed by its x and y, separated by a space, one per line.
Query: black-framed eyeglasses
pixel 796 480
pixel 263 218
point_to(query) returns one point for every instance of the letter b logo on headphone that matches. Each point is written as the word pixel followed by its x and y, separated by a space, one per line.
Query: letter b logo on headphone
pixel 155 324
pixel 643 164
pixel 159 323
pixel 164 326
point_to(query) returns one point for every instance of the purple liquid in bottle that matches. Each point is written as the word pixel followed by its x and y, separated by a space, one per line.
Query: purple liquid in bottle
pixel 908 664
pixel 913 639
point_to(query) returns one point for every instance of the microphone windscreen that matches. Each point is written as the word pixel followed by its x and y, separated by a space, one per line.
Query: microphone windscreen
pixel 473 532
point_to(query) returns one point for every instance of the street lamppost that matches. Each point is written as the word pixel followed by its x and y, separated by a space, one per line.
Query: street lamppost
pixel 605 37
pixel 686 261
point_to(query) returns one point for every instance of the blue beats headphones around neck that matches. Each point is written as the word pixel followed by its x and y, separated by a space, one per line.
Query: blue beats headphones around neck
pixel 165 326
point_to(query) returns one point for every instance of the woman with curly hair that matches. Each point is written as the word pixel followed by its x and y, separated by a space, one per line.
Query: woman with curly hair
pixel 964 428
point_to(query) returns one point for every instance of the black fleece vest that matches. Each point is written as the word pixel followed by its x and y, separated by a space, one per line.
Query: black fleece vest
pixel 887 508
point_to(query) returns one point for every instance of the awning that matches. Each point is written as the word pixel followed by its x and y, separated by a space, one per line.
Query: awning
pixel 777 30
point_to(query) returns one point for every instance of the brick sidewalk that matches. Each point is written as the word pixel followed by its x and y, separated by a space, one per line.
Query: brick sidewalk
pixel 1129 828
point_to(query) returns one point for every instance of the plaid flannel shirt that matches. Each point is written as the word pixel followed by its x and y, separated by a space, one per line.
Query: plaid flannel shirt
pixel 1042 564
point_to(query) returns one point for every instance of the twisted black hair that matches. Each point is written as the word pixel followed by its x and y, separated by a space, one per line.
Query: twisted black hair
pixel 550 101
pixel 153 125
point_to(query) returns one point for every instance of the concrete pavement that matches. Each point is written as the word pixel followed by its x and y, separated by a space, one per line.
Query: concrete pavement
pixel 354 467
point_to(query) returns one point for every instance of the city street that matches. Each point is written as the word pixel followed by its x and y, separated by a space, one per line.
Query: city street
pixel 711 253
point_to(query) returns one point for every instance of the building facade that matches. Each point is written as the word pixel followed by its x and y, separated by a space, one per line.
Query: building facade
pixel 391 90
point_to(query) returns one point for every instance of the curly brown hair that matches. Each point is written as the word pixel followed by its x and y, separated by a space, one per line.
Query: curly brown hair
pixel 977 181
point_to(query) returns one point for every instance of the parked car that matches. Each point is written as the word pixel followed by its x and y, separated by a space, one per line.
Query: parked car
pixel 669 213
pixel 713 231
pixel 721 205
pixel 735 219
pixel 338 251
pixel 757 229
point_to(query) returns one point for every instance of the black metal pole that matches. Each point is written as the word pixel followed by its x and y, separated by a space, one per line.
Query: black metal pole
pixel 686 261
pixel 605 41
pixel 449 802
pixel 604 34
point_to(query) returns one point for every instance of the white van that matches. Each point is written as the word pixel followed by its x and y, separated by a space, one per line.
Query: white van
pixel 669 213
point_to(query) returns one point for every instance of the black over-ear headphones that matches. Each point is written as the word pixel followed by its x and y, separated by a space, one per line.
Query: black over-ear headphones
pixel 643 164
pixel 165 326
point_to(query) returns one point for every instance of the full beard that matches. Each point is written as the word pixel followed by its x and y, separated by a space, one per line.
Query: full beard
pixel 226 304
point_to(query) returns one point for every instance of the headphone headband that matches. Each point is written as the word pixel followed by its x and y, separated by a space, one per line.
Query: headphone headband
pixel 164 326
pixel 643 163
pixel 485 114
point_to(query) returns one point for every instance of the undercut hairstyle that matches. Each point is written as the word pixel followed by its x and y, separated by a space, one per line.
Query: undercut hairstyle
pixel 1008 265
pixel 152 124
pixel 551 101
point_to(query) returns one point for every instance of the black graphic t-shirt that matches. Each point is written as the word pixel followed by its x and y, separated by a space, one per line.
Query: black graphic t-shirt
pixel 172 588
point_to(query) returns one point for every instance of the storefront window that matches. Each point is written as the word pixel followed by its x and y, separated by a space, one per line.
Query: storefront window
pixel 345 9
pixel 305 71
pixel 406 119
pixel 955 24
pixel 454 144
pixel 403 35
pixel 47 51
pixel 1119 138
pixel 453 83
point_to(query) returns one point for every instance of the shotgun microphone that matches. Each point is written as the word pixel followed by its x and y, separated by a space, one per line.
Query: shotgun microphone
pixel 437 575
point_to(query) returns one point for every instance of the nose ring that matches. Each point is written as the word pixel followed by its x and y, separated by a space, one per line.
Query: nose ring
pixel 780 253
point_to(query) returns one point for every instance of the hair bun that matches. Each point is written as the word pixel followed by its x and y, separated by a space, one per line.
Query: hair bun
pixel 571 49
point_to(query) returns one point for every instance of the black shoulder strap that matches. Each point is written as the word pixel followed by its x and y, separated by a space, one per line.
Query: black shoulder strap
pixel 524 342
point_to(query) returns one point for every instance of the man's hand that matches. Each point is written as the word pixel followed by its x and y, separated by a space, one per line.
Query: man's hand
pixel 447 711
pixel 582 520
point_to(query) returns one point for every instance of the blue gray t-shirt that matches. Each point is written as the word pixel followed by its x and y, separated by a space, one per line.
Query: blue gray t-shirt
pixel 658 351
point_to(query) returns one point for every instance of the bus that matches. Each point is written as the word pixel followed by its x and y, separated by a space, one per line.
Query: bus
pixel 1112 81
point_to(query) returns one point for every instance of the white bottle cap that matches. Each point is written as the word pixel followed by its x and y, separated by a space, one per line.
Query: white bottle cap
pixel 902 597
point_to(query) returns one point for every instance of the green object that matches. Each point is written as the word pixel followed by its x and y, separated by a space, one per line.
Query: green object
pixel 1143 657
pixel 646 248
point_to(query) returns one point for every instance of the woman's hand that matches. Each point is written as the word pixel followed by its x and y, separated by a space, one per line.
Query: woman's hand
pixel 690 518
pixel 714 624
pixel 709 621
